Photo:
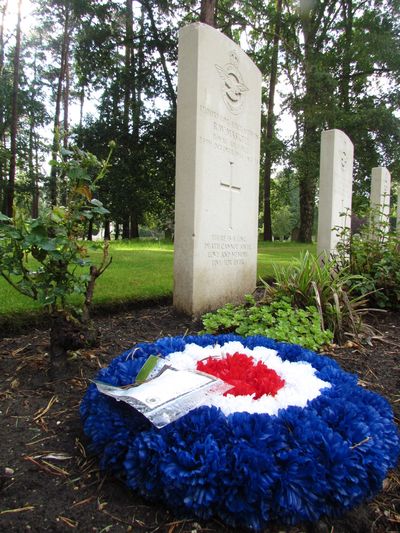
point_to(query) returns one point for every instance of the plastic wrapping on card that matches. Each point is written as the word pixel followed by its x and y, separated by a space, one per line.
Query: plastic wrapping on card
pixel 169 395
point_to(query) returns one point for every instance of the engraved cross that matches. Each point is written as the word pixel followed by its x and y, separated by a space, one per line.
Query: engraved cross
pixel 232 189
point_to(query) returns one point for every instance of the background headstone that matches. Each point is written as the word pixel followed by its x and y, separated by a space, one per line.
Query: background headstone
pixel 398 210
pixel 380 196
pixel 217 171
pixel 335 189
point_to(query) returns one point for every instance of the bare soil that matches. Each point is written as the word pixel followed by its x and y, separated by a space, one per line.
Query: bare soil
pixel 49 482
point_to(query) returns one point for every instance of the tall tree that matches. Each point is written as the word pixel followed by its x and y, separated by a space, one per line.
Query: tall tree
pixel 160 49
pixel 65 14
pixel 270 125
pixel 3 12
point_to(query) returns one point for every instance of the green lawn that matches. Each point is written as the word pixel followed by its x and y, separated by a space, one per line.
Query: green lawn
pixel 143 270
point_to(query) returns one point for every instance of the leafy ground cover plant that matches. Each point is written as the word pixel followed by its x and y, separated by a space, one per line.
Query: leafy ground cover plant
pixel 44 259
pixel 278 320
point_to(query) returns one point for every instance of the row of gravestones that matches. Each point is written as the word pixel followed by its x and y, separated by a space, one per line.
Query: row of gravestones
pixel 335 192
pixel 217 173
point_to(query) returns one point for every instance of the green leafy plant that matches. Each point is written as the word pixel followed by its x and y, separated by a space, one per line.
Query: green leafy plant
pixel 328 286
pixel 278 320
pixel 44 258
pixel 374 254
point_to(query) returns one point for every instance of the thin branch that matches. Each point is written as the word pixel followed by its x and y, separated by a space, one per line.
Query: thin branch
pixel 16 287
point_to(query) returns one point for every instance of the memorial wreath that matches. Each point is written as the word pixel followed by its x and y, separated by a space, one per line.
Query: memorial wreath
pixel 294 439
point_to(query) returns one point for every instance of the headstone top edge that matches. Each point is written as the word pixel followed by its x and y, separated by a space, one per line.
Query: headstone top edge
pixel 338 138
pixel 380 168
pixel 336 131
pixel 206 28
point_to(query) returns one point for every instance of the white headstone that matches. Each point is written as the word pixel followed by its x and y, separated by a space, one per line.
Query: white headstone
pixel 398 210
pixel 335 189
pixel 380 196
pixel 217 171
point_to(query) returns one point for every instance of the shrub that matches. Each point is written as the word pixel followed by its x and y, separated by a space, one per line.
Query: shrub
pixel 41 258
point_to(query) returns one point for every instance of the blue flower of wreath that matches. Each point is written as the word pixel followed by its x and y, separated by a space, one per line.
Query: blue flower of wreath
pixel 248 469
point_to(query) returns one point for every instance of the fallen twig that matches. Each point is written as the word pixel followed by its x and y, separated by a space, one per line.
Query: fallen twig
pixel 47 467
pixel 382 339
pixel 43 411
pixel 68 521
pixel 18 510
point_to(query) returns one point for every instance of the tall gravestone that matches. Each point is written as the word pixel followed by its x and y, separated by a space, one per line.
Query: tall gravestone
pixel 335 189
pixel 217 171
pixel 380 196
pixel 398 210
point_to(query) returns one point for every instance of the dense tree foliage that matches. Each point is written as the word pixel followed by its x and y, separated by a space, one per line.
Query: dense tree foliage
pixel 92 71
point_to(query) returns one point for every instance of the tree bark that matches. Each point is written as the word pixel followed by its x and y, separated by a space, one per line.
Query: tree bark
pixel 81 104
pixel 35 197
pixel 3 168
pixel 68 333
pixel 14 118
pixel 270 125
pixel 207 12
pixel 57 112
pixel 347 13
pixel 125 228
pixel 90 231
pixel 127 66
pixel 307 165
pixel 137 78
pixel 65 100
pixel 134 226
pixel 107 233
pixel 160 48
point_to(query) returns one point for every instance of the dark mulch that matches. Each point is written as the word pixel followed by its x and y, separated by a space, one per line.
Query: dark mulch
pixel 52 484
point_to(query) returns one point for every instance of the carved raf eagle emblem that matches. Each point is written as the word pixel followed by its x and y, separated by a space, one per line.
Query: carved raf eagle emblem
pixel 233 88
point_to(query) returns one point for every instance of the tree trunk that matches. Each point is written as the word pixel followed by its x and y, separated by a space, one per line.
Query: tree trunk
pixel 3 168
pixel 270 125
pixel 81 104
pixel 14 118
pixel 207 12
pixel 59 93
pixel 2 24
pixel 31 164
pixel 137 82
pixel 347 13
pixel 90 231
pixel 66 91
pixel 33 155
pixel 160 48
pixel 71 333
pixel 68 333
pixel 65 99
pixel 127 67
pixel 107 234
pixel 316 23
pixel 125 228
pixel 134 226
pixel 309 155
